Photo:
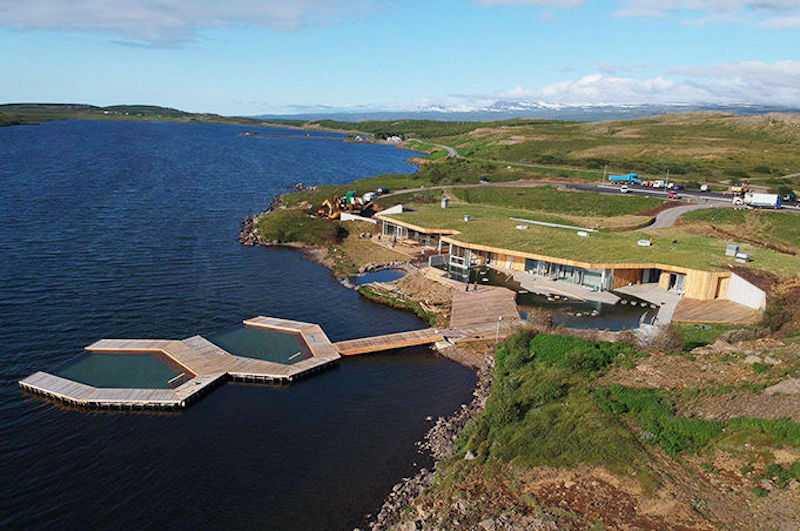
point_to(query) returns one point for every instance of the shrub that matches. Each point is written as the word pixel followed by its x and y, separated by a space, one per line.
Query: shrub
pixel 777 313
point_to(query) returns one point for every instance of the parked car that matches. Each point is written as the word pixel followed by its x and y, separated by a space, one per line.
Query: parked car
pixel 382 190
pixel 673 195
pixel 677 187
pixel 624 189
pixel 484 179
pixel 704 188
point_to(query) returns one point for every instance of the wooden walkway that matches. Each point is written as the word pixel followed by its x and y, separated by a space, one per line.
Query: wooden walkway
pixel 207 363
pixel 474 314
pixel 389 342
pixel 718 311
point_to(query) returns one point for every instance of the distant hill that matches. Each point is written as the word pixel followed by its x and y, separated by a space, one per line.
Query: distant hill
pixel 510 110
pixel 35 113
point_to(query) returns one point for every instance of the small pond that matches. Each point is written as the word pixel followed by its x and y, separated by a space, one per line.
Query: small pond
pixel 385 275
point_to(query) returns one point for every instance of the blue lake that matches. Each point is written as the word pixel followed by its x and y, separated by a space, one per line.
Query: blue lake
pixel 124 229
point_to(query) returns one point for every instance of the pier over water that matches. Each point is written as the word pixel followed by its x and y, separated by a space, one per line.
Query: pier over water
pixel 206 365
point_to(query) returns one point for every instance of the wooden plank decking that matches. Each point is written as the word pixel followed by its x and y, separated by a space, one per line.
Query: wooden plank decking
pixel 207 363
pixel 717 311
pixel 476 309
pixel 388 342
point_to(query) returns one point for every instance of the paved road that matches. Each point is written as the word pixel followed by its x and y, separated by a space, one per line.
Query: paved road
pixel 708 199
pixel 667 218
pixel 451 151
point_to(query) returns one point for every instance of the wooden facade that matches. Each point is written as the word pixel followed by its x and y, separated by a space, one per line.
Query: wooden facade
pixel 693 283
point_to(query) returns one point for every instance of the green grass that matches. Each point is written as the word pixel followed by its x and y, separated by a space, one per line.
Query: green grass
pixel 761 368
pixel 545 408
pixel 541 411
pixel 653 411
pixel 694 336
pixel 398 304
pixel 423 129
pixel 727 216
pixel 36 113
pixel 779 227
pixel 693 147
pixel 293 225
pixel 549 199
pixel 491 226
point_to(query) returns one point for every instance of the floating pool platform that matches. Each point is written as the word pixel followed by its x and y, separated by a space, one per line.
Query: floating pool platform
pixel 208 365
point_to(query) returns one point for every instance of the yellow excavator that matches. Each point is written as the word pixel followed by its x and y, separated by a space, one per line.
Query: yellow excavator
pixel 328 210
pixel 349 202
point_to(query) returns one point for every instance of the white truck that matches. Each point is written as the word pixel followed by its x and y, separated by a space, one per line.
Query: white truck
pixel 758 200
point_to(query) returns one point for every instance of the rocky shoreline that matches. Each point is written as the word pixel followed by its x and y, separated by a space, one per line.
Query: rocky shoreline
pixel 438 443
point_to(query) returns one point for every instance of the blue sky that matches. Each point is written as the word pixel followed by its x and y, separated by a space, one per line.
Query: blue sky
pixel 277 56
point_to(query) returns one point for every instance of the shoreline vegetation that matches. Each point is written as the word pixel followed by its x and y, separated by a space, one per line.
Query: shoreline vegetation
pixel 557 435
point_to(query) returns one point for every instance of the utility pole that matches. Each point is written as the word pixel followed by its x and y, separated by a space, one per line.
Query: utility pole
pixel 605 169
pixel 497 330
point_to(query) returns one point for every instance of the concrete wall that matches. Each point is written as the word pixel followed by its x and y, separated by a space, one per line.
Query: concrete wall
pixel 745 293
pixel 345 216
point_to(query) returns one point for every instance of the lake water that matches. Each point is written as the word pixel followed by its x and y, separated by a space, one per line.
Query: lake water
pixel 114 229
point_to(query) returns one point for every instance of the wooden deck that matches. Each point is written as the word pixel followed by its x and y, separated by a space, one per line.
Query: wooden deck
pixel 477 309
pixel 718 311
pixel 205 361
pixel 388 342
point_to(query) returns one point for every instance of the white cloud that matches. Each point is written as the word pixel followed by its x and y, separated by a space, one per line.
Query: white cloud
pixel 767 14
pixel 780 23
pixel 565 4
pixel 751 82
pixel 168 22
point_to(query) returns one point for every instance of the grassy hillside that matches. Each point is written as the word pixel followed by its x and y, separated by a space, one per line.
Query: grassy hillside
pixel 692 146
pixel 780 229
pixel 549 199
pixel 561 441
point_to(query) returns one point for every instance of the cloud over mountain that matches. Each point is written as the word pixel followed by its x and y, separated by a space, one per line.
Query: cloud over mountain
pixel 748 82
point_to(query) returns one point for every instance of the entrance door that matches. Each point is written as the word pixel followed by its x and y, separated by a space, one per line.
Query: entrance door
pixel 676 281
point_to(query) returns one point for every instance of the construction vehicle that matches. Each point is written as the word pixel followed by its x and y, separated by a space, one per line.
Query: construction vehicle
pixel 630 178
pixel 738 189
pixel 348 203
